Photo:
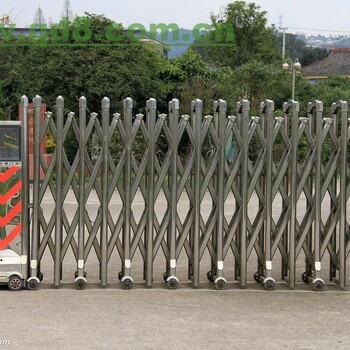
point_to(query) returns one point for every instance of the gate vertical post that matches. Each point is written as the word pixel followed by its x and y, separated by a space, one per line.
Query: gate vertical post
pixel 334 206
pixel 104 186
pixel 25 241
pixel 126 263
pixel 286 205
pixel 244 110
pixel 268 108
pixel 237 262
pixel 171 237
pixel 81 227
pixel 197 108
pixel 318 110
pixel 151 107
pixel 59 188
pixel 222 109
pixel 36 189
pixel 211 274
pixel 294 107
pixel 310 183
pixel 344 112
pixel 343 186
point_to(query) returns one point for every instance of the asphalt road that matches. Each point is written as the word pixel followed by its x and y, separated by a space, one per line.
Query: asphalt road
pixel 186 318
pixel 158 318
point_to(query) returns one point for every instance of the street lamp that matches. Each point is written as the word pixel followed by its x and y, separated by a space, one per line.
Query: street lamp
pixel 294 67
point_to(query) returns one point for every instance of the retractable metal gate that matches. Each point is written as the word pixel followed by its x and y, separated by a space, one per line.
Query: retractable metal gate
pixel 251 200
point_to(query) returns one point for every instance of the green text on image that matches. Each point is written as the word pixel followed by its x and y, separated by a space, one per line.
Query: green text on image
pixel 81 32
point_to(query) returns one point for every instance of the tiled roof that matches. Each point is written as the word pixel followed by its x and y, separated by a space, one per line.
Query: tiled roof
pixel 337 63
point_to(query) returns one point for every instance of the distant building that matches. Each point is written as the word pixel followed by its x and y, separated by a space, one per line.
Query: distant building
pixel 337 63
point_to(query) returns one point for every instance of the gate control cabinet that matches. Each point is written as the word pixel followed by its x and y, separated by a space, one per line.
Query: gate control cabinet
pixel 13 264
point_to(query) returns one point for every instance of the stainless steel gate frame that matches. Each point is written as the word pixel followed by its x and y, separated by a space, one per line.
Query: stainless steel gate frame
pixel 230 183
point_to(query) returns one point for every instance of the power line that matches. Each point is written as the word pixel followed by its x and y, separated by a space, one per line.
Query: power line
pixel 321 30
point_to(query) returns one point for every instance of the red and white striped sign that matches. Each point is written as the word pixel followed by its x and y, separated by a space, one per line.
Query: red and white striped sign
pixel 13 212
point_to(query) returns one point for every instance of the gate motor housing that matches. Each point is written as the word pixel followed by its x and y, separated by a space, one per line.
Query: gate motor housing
pixel 13 263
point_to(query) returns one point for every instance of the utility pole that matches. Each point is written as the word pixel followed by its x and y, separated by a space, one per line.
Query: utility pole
pixel 284 37
pixel 284 42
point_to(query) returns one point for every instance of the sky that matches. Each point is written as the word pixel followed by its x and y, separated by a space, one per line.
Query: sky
pixel 327 17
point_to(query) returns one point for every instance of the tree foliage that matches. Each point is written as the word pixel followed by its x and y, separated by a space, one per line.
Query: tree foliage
pixel 73 71
pixel 333 89
pixel 67 12
pixel 39 17
pixel 250 67
pixel 244 35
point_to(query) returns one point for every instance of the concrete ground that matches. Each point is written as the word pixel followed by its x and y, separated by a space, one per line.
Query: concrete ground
pixel 186 318
pixel 182 319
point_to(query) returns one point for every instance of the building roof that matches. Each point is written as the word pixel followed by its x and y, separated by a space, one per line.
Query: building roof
pixel 337 63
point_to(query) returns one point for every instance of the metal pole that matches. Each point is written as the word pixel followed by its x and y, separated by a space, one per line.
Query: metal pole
pixel 151 107
pixel 197 108
pixel 220 282
pixel 126 279
pixel 104 185
pixel 25 241
pixel 36 189
pixel 268 109
pixel 244 109
pixel 294 107
pixel 343 183
pixel 59 188
pixel 342 106
pixel 286 203
pixel 284 43
pixel 318 109
pixel 172 280
pixel 82 144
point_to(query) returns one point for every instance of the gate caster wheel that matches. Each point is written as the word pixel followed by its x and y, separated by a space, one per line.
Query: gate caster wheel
pixel 305 277
pixel 76 274
pixel 33 283
pixel 165 277
pixel 127 283
pixel 269 284
pixel 172 282
pixel 15 283
pixel 210 276
pixel 257 277
pixel 220 284
pixel 120 275
pixel 318 285
pixel 41 276
pixel 80 283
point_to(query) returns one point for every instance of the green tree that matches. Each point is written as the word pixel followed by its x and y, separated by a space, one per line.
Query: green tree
pixel 180 72
pixel 254 81
pixel 330 90
pixel 73 71
pixel 244 26
pixel 67 12
pixel 39 17
pixel 313 54
pixel 9 95
pixel 94 71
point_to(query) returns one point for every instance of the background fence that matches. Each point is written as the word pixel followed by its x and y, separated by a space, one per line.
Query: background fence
pixel 266 191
